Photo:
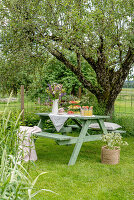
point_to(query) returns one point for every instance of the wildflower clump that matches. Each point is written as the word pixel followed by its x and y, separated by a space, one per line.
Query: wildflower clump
pixel 113 140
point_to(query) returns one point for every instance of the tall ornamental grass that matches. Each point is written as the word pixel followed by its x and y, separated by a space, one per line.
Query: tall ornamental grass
pixel 15 182
pixel 9 124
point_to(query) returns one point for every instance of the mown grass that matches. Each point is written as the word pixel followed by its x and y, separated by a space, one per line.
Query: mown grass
pixel 125 101
pixel 125 107
pixel 88 179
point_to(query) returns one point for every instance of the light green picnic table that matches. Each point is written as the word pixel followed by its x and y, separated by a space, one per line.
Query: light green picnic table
pixel 82 122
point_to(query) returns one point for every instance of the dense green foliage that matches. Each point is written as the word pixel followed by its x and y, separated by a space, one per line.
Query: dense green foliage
pixel 56 72
pixel 97 32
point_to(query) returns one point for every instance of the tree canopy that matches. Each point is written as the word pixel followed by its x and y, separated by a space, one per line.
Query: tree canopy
pixel 99 32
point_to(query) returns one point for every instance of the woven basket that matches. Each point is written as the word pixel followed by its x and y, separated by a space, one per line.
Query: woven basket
pixel 110 156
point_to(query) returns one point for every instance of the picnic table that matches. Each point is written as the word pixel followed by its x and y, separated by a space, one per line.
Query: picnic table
pixel 81 122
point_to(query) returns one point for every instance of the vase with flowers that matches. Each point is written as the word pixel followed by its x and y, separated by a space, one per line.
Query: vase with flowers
pixel 55 92
pixel 110 153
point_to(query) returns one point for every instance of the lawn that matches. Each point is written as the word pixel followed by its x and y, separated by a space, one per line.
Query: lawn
pixel 125 101
pixel 88 179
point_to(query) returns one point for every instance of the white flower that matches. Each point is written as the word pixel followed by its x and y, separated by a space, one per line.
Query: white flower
pixel 113 139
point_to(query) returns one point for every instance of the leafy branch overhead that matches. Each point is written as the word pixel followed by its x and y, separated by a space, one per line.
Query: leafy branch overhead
pixel 99 32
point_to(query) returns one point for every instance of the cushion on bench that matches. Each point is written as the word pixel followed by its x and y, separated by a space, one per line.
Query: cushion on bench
pixel 109 126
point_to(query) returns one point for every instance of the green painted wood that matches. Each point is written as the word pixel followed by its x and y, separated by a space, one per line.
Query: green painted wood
pixel 66 129
pixel 79 142
pixel 78 123
pixel 53 136
pixel 118 131
pixel 86 139
pixel 40 124
pixel 42 120
pixel 69 142
pixel 83 123
pixel 74 126
pixel 102 126
pixel 80 117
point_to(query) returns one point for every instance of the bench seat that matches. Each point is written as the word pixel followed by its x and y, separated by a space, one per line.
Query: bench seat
pixel 115 131
pixel 53 136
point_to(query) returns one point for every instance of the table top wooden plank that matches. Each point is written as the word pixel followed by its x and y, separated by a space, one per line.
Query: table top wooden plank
pixel 76 116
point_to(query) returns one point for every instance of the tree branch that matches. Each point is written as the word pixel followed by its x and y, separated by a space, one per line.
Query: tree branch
pixel 89 59
pixel 86 56
pixel 101 57
pixel 121 75
pixel 87 84
pixel 78 60
pixel 129 60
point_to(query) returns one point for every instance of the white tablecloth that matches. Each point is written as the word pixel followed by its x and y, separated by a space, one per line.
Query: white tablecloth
pixel 58 120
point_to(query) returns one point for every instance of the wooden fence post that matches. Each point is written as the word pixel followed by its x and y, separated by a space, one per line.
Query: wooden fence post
pixel 79 92
pixel 131 101
pixel 22 101
pixel 39 100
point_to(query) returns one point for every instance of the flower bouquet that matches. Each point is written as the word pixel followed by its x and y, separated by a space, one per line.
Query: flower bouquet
pixel 55 92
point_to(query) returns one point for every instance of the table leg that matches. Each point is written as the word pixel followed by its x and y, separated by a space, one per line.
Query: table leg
pixel 102 126
pixel 79 142
pixel 40 124
pixel 77 122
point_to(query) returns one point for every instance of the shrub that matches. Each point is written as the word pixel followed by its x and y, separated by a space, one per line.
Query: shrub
pixel 127 123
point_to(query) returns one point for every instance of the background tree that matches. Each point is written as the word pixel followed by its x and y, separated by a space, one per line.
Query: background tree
pixel 97 31
pixel 21 59
pixel 55 71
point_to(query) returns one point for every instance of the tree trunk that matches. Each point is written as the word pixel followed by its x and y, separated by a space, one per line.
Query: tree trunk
pixel 106 105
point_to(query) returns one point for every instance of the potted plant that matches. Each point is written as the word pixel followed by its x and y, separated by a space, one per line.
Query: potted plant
pixel 110 153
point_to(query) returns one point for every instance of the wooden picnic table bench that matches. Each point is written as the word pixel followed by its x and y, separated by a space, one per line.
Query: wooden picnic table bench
pixel 82 123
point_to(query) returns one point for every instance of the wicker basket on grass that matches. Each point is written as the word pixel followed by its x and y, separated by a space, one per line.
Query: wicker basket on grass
pixel 110 156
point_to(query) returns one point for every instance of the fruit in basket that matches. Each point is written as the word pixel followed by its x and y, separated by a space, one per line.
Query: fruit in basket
pixel 70 112
pixel 74 102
